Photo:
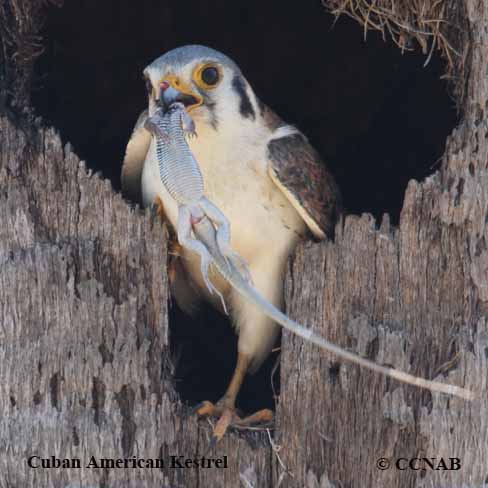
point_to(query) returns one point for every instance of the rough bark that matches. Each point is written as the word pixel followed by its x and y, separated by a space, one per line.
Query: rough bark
pixel 415 297
pixel 85 367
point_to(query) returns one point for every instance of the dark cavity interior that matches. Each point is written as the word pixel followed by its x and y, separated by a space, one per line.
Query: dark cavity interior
pixel 378 118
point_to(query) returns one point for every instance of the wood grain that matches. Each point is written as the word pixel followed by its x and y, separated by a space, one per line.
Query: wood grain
pixel 85 364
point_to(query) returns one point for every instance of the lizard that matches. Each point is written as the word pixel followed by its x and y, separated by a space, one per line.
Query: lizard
pixel 204 229
pixel 181 176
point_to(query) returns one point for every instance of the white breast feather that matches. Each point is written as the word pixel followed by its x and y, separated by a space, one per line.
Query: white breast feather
pixel 264 225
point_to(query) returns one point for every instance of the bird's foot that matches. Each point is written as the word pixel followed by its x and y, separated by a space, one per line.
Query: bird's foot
pixel 228 417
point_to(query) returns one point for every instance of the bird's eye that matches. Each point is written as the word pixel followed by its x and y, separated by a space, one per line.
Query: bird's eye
pixel 210 76
pixel 207 76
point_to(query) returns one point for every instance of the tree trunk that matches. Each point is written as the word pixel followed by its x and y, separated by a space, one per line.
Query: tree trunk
pixel 85 367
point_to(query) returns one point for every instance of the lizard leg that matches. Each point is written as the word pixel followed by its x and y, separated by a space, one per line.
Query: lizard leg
pixel 223 237
pixel 187 124
pixel 188 242
pixel 151 125
pixel 225 407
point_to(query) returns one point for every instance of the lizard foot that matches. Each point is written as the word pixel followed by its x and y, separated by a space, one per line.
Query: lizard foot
pixel 151 125
pixel 229 418
pixel 240 263
pixel 234 259
pixel 191 134
pixel 211 288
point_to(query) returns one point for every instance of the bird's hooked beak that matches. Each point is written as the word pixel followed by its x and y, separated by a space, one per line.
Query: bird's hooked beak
pixel 172 89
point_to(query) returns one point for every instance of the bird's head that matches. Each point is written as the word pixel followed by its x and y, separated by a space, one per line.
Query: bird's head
pixel 208 83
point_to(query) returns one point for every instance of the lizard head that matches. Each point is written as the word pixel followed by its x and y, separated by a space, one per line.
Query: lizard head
pixel 207 82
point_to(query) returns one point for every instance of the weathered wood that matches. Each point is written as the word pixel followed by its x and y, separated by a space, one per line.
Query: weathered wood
pixel 414 297
pixel 84 358
pixel 85 367
pixel 402 301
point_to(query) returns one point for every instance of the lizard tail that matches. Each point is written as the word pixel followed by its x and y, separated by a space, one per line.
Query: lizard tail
pixel 206 233
pixel 309 335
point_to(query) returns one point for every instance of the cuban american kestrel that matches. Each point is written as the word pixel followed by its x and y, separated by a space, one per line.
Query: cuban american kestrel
pixel 259 171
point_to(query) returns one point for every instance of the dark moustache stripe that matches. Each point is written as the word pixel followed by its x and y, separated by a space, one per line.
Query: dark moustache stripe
pixel 245 107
